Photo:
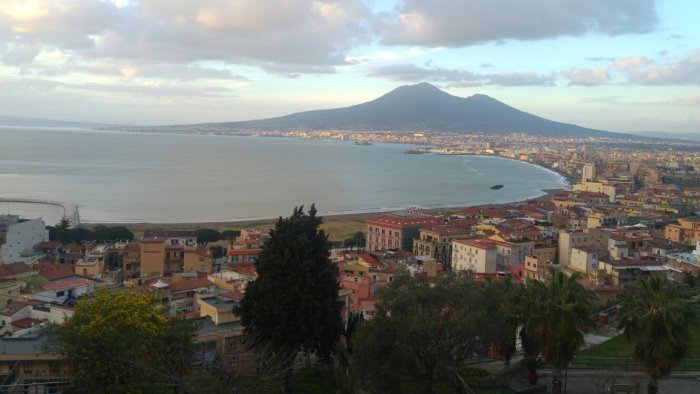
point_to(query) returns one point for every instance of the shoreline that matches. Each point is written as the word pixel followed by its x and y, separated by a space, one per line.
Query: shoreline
pixel 337 226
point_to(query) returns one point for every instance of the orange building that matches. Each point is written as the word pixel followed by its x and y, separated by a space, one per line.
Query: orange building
pixel 160 253
pixel 687 231
pixel 397 230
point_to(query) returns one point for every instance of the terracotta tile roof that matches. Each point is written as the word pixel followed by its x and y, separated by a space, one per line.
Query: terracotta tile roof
pixel 481 243
pixel 192 284
pixel 394 220
pixel 234 295
pixel 67 284
pixel 26 322
pixel 49 245
pixel 18 268
pixel 369 259
pixel 54 271
pixel 4 272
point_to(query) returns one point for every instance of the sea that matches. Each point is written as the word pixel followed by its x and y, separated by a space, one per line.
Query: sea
pixel 129 177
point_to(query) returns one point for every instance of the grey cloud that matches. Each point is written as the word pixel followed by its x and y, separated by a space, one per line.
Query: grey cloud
pixel 305 35
pixel 451 77
pixel 456 23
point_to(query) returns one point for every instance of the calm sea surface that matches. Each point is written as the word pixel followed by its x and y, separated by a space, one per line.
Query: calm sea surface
pixel 159 178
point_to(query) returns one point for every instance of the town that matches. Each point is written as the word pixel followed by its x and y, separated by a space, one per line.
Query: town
pixel 628 214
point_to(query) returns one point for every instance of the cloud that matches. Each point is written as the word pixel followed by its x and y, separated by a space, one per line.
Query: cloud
pixel 309 35
pixel 643 71
pixel 452 77
pixel 587 77
pixel 692 101
pixel 639 70
pixel 457 23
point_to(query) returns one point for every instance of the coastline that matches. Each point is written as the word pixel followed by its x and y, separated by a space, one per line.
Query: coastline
pixel 337 226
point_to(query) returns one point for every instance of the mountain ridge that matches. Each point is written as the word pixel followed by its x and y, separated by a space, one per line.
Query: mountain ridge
pixel 422 107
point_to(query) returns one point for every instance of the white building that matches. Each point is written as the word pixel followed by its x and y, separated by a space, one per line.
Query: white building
pixel 589 172
pixel 478 255
pixel 18 235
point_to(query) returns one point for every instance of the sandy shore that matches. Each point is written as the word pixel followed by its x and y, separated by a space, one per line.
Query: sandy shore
pixel 338 227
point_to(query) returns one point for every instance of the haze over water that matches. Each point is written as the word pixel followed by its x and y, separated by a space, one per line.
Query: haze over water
pixel 161 178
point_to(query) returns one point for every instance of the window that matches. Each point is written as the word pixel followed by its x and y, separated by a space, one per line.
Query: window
pixel 60 293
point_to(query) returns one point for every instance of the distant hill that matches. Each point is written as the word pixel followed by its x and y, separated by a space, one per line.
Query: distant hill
pixel 35 122
pixel 664 135
pixel 421 107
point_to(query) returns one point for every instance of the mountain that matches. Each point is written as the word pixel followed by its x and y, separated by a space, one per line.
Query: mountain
pixel 422 107
pixel 668 136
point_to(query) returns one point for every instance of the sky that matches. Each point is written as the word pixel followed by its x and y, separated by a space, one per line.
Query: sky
pixel 617 65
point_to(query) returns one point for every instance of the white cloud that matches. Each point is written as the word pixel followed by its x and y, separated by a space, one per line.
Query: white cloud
pixel 587 77
pixel 462 78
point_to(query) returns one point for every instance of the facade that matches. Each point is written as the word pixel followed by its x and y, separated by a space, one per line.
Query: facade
pixel 593 238
pixel 397 230
pixel 596 187
pixel 478 255
pixel 687 231
pixel 436 242
pixel 589 172
pixel 160 253
pixel 18 235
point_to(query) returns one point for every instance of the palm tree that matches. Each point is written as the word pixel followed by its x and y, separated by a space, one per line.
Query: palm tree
pixel 555 313
pixel 659 323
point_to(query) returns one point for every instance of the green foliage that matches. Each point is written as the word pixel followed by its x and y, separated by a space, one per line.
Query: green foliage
pixel 206 235
pixel 659 322
pixel 419 329
pixel 230 235
pixel 555 313
pixel 293 304
pixel 105 233
pixel 356 241
pixel 117 342
pixel 502 299
pixel 218 251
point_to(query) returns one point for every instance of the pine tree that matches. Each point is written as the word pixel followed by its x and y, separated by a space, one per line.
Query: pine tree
pixel 293 305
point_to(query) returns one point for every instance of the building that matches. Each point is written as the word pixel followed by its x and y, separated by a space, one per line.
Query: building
pixel 588 172
pixel 397 230
pixel 167 252
pixel 436 242
pixel 18 236
pixel 596 187
pixel 592 238
pixel 687 231
pixel 478 255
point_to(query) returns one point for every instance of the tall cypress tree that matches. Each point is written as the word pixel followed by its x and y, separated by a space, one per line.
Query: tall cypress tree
pixel 293 305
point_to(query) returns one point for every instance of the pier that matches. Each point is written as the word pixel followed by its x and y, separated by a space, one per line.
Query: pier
pixel 70 210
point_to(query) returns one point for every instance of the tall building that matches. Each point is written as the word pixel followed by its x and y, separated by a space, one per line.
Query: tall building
pixel 18 235
pixel 589 171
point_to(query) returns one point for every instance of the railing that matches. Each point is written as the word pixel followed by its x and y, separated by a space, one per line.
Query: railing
pixel 627 364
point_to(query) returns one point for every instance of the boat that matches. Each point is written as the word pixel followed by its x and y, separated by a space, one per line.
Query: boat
pixel 414 152
pixel 496 187
pixel 363 143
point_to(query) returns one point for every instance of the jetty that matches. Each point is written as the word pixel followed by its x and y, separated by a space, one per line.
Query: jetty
pixel 70 210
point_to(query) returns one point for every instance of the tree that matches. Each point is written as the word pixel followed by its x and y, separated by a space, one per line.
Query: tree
pixel 293 304
pixel 217 251
pixel 502 298
pixel 105 233
pixel 555 313
pixel 659 322
pixel 419 329
pixel 117 342
pixel 230 235
pixel 206 235
pixel 356 241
